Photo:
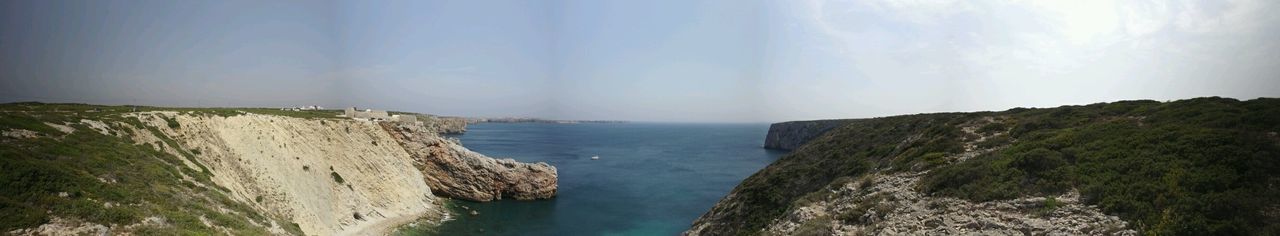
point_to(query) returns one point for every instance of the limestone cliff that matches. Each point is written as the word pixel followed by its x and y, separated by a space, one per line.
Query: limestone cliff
pixel 85 169
pixel 452 170
pixel 330 176
pixel 444 125
pixel 790 135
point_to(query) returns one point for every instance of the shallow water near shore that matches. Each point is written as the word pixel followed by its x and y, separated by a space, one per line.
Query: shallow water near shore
pixel 651 178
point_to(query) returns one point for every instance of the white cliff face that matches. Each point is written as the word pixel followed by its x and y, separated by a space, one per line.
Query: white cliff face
pixel 791 135
pixel 330 176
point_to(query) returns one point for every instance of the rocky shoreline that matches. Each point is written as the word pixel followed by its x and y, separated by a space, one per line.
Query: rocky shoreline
pixel 454 171
pixel 273 172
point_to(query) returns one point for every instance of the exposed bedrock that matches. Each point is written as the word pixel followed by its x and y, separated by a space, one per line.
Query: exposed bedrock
pixel 791 135
pixel 445 125
pixel 454 171
pixel 329 176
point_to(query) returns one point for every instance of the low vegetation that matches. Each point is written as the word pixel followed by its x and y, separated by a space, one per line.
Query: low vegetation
pixel 1206 166
pixel 1196 167
pixel 105 179
pixel 853 150
pixel 337 177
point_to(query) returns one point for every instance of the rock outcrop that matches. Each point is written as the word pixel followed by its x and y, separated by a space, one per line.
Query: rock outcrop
pixel 764 198
pixel 791 135
pixel 444 125
pixel 330 176
pixel 452 170
pixel 225 171
pixel 890 205
pixel 1098 169
pixel 888 202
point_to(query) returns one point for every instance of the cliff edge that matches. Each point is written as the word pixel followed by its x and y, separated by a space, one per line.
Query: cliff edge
pixel 457 172
pixel 1203 166
pixel 443 124
pixel 792 134
pixel 330 176
pixel 87 169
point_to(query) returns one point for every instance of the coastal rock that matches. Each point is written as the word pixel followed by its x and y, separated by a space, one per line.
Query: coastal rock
pixel 793 134
pixel 241 172
pixel 888 203
pixel 329 176
pixel 1070 170
pixel 454 171
pixel 444 125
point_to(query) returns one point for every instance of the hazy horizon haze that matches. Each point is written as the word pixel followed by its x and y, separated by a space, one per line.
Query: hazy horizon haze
pixel 666 60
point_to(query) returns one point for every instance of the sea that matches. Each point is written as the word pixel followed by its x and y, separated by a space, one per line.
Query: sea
pixel 650 178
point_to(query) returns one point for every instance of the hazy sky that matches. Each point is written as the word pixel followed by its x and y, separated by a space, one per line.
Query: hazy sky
pixel 666 60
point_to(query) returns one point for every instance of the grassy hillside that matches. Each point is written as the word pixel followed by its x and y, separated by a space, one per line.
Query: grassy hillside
pixel 1190 167
pixel 86 176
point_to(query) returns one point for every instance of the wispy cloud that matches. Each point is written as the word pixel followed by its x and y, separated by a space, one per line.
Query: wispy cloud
pixel 993 54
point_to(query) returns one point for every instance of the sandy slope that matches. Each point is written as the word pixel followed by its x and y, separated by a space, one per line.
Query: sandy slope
pixel 289 163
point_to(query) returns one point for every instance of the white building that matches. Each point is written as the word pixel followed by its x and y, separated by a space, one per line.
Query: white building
pixel 303 108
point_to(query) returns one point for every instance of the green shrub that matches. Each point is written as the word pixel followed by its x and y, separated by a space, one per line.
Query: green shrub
pixel 995 141
pixel 1202 166
pixel 11 121
pixel 818 226
pixel 1050 204
pixel 857 148
pixel 993 127
pixel 138 180
pixel 1192 167
pixel 171 122
pixel 294 228
pixel 337 177
pixel 933 159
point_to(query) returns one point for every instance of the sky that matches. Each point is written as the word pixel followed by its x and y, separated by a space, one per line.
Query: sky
pixel 660 60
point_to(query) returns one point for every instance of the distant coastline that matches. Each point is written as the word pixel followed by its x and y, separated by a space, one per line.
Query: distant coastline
pixel 536 120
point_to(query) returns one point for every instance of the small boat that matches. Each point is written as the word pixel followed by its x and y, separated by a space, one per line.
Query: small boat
pixel 595 157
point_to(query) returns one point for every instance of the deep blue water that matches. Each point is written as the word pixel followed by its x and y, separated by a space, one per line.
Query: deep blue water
pixel 651 178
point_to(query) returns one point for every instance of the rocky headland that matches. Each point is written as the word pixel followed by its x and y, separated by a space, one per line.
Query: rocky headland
pixel 791 135
pixel 125 170
pixel 452 170
pixel 1122 168
pixel 443 124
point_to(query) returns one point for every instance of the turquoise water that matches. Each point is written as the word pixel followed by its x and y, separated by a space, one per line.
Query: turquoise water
pixel 651 178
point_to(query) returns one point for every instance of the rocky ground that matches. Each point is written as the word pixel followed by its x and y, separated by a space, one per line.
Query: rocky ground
pixel 331 176
pixel 444 125
pixel 791 135
pixel 889 204
pixel 456 172
pixel 307 172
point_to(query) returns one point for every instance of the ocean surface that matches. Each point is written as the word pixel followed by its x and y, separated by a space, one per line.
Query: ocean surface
pixel 651 178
